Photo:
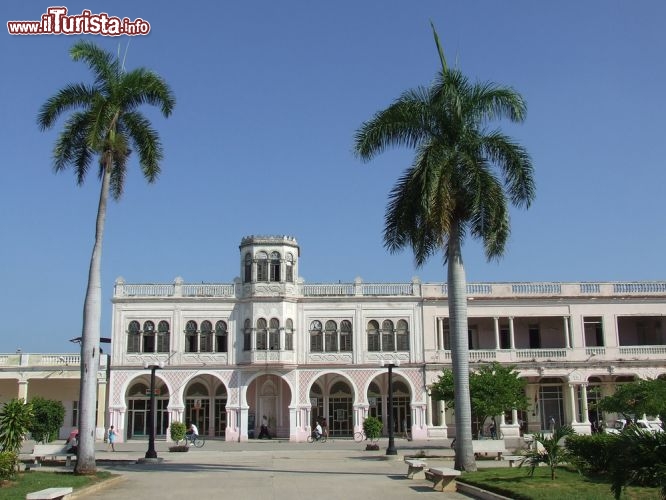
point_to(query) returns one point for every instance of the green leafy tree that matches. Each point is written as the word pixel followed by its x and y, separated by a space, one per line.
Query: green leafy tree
pixel 177 431
pixel 461 181
pixel 372 427
pixel 493 389
pixel 633 399
pixel 48 417
pixel 105 123
pixel 15 419
pixel 550 450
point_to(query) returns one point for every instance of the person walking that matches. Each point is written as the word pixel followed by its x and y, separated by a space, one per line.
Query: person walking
pixel 112 439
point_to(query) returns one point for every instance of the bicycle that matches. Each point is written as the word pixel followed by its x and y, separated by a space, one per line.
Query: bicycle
pixel 360 436
pixel 313 439
pixel 197 441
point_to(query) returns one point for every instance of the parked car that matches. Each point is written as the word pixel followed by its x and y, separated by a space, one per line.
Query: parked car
pixel 649 425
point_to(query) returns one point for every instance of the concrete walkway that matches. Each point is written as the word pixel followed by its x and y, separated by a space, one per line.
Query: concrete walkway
pixel 271 469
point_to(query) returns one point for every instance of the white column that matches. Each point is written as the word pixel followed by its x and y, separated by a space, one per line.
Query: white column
pixel 23 390
pixel 497 337
pixel 428 410
pixel 572 398
pixel 441 408
pixel 567 341
pixel 440 333
pixel 511 333
pixel 583 395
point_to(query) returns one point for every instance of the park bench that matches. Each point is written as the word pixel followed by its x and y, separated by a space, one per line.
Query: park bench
pixel 54 451
pixel 513 458
pixel 415 468
pixel 485 446
pixel 443 478
pixel 50 494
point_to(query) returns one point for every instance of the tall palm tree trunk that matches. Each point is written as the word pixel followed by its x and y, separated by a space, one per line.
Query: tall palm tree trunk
pixel 90 340
pixel 457 298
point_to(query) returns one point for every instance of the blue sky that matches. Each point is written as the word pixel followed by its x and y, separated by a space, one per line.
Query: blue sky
pixel 269 95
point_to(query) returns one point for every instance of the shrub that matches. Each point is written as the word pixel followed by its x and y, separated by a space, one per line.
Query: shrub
pixel 48 417
pixel 592 454
pixel 638 458
pixel 8 465
pixel 15 419
pixel 373 428
pixel 177 431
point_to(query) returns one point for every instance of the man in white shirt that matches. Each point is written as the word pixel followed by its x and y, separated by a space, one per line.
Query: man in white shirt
pixel 318 431
pixel 192 433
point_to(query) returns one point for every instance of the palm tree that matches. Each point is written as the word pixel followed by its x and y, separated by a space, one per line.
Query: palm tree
pixel 550 450
pixel 105 124
pixel 458 183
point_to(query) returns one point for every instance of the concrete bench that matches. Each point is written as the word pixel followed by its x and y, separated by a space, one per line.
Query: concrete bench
pixel 42 451
pixel 50 494
pixel 443 478
pixel 513 458
pixel 415 468
pixel 486 446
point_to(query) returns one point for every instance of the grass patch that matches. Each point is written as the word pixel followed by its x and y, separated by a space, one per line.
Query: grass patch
pixel 515 483
pixel 27 482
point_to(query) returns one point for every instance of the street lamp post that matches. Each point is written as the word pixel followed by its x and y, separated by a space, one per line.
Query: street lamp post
pixel 151 453
pixel 390 450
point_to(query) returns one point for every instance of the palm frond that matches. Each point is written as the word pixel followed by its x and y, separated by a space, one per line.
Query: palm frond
pixel 72 149
pixel 70 97
pixel 403 123
pixel 142 86
pixel 515 164
pixel 146 142
pixel 104 65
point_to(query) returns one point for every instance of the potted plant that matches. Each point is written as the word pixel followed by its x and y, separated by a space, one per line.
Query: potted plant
pixel 177 431
pixel 372 427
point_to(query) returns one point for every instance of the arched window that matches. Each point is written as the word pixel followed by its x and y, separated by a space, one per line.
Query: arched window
pixel 262 334
pixel 315 336
pixel 206 339
pixel 247 335
pixel 247 268
pixel 346 336
pixel 262 266
pixel 373 336
pixel 221 336
pixel 388 336
pixel 191 344
pixel 274 335
pixel 289 335
pixel 163 336
pixel 149 336
pixel 289 267
pixel 275 266
pixel 402 335
pixel 134 337
pixel 331 336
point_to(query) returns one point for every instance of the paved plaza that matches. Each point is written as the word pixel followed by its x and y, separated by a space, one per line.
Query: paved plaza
pixel 271 469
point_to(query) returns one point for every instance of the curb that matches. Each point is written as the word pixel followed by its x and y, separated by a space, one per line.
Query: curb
pixel 107 483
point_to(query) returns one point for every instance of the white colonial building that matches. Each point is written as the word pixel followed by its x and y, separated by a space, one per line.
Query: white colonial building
pixel 52 376
pixel 269 345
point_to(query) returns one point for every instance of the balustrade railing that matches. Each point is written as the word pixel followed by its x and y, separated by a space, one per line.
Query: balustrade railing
pixel 208 290
pixel 328 289
pixel 359 288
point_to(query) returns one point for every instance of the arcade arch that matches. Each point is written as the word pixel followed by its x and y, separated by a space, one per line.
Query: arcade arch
pixel 138 408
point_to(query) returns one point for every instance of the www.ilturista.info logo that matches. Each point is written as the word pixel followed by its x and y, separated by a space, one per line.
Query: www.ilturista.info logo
pixel 56 22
